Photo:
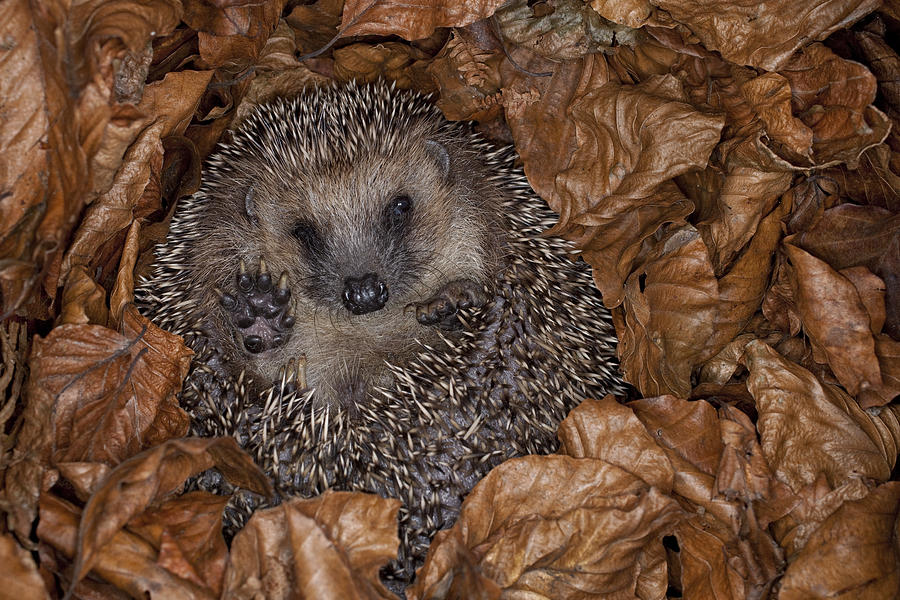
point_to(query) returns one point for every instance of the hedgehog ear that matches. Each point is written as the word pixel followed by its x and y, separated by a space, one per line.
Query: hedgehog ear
pixel 438 152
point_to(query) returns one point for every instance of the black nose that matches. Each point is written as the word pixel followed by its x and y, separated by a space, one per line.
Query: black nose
pixel 364 294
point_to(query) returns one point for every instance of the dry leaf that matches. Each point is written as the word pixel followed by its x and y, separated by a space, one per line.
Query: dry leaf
pixel 19 577
pixel 125 560
pixel 763 34
pixel 150 477
pixel 835 319
pixel 853 554
pixel 552 527
pixel 327 547
pixel 807 427
pixel 411 21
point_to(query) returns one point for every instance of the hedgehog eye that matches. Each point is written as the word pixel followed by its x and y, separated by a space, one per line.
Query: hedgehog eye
pixel 398 210
pixel 307 235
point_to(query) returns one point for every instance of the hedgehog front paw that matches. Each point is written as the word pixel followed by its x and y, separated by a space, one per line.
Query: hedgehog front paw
pixel 260 309
pixel 441 308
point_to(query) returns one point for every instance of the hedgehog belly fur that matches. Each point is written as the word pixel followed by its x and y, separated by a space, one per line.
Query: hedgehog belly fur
pixel 440 417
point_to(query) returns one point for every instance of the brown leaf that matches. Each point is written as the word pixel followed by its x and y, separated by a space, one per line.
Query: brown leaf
pixel 85 477
pixel 72 68
pixel 870 289
pixel 315 24
pixel 609 431
pixel 411 21
pixel 552 527
pixel 105 388
pixel 629 140
pixel 833 97
pixel 19 577
pixel 853 554
pixel 807 427
pixel 231 33
pixel 612 248
pixel 769 96
pixel 538 113
pixel 188 533
pixel 764 34
pixel 125 560
pixel 849 235
pixel 166 108
pixel 746 197
pixel 151 476
pixel 468 78
pixel 670 307
pixel 326 547
pixel 391 60
pixel 888 352
pixel 570 31
pixel 83 301
pixel 835 318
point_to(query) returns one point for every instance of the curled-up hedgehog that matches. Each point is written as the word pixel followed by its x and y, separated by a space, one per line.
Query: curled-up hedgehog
pixel 373 306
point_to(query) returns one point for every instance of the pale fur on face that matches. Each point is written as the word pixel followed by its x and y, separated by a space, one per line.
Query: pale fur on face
pixel 452 234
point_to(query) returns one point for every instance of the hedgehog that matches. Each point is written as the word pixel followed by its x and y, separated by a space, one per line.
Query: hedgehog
pixel 374 306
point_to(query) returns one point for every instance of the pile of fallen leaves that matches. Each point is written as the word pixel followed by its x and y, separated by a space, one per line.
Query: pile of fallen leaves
pixel 728 169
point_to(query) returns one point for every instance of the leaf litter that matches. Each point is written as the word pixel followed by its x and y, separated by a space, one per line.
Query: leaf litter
pixel 730 173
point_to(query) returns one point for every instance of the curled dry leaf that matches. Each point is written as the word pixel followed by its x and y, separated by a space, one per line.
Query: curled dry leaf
pixel 835 318
pixel 330 547
pixel 411 21
pixel 849 235
pixel 745 198
pixel 552 527
pixel 166 108
pixel 468 79
pixel 231 33
pixel 125 560
pixel 19 577
pixel 83 300
pixel 187 531
pixel 763 34
pixel 85 477
pixel 664 333
pixel 393 61
pixel 833 97
pixel 853 554
pixel 538 113
pixel 59 115
pixel 150 477
pixel 808 428
pixel 570 31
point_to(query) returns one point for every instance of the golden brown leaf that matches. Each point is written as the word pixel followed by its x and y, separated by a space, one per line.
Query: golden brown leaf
pixel 83 301
pixel 763 34
pixel 392 61
pixel 468 78
pixel 552 527
pixel 166 108
pixel 835 319
pixel 850 235
pixel 125 560
pixel 411 21
pixel 187 531
pixel 326 547
pixel 19 577
pixel 853 554
pixel 150 477
pixel 807 427
pixel 665 331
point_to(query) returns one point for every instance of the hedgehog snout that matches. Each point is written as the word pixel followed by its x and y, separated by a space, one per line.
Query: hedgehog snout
pixel 364 294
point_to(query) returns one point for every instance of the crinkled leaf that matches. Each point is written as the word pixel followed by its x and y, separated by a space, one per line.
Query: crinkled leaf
pixel 187 531
pixel 670 313
pixel 835 318
pixel 764 34
pixel 19 577
pixel 807 427
pixel 125 560
pixel 411 21
pixel 551 527
pixel 853 554
pixel 152 476
pixel 327 547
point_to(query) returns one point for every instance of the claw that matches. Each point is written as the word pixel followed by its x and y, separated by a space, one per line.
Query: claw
pixel 244 280
pixel 282 293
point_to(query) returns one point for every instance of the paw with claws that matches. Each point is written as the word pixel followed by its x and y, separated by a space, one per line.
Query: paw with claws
pixel 260 309
pixel 441 308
